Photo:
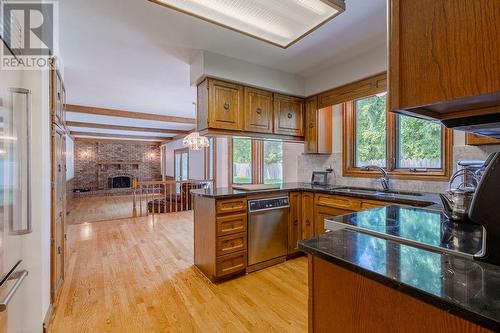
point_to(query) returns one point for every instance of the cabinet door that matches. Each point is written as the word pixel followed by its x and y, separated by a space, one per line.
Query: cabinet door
pixel 307 215
pixel 311 130
pixel 323 213
pixel 225 105
pixel 288 115
pixel 258 111
pixel 294 226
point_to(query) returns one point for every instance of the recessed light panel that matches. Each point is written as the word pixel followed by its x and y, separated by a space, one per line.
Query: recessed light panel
pixel 279 22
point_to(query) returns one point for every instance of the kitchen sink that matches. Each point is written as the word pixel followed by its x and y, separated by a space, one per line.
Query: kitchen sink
pixel 375 192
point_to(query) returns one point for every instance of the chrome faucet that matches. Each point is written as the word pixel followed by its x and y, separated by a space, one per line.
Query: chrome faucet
pixel 385 177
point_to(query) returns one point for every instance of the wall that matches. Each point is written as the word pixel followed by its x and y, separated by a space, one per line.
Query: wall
pixel 309 163
pixel 87 155
pixel 362 66
pixel 196 161
pixel 236 70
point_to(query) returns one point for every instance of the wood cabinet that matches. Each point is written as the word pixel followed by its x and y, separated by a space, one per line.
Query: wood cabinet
pixel 443 61
pixel 295 223
pixel 258 110
pixel 327 205
pixel 478 140
pixel 225 102
pixel 307 215
pixel 288 115
pixel 220 236
pixel 226 108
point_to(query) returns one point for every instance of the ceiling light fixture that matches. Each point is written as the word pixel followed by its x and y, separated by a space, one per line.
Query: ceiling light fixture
pixel 279 22
pixel 195 142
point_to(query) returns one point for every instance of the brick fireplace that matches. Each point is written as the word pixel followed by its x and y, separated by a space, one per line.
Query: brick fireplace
pixel 103 166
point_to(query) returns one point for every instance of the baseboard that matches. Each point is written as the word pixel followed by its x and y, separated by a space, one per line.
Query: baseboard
pixel 47 319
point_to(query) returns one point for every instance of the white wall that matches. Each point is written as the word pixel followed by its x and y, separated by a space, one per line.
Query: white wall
pixel 70 158
pixel 357 68
pixel 196 161
pixel 222 162
pixel 236 70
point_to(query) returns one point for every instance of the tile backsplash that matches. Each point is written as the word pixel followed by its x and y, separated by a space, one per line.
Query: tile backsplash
pixel 309 163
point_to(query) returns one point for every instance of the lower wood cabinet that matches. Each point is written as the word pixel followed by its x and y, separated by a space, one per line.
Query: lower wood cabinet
pixel 295 223
pixel 307 215
pixel 327 205
pixel 220 236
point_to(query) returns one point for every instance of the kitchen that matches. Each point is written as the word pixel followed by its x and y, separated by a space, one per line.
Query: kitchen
pixel 298 165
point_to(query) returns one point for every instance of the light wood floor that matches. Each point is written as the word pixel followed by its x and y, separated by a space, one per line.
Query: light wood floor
pixel 92 209
pixel 138 276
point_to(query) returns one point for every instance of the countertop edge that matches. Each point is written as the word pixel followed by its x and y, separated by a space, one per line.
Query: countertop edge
pixel 440 303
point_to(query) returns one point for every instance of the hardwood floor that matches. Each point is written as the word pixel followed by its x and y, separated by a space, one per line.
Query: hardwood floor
pixel 92 209
pixel 138 276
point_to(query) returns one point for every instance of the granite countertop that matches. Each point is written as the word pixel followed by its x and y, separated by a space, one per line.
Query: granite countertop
pixel 424 199
pixel 466 288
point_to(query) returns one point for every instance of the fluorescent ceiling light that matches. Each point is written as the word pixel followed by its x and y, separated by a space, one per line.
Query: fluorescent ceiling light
pixel 279 22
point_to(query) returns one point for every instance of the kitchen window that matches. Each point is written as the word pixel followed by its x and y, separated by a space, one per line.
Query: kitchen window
pixel 253 161
pixel 406 147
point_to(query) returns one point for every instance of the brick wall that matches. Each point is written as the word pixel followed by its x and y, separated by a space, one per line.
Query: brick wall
pixel 88 154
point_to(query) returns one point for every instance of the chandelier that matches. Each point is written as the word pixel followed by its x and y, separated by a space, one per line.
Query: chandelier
pixel 195 142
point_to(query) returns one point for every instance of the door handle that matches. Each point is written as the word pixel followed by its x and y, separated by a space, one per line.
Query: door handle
pixel 19 276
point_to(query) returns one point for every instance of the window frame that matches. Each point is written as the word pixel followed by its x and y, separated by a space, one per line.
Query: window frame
pixel 257 163
pixel 349 143
pixel 181 151
pixel 211 159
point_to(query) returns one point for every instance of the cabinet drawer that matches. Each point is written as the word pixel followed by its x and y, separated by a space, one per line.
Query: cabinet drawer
pixel 232 263
pixel 231 224
pixel 338 202
pixel 231 205
pixel 231 243
pixel 373 204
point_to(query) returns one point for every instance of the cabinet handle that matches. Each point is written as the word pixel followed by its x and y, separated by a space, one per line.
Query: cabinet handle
pixel 19 276
pixel 289 115
pixel 226 106
pixel 296 222
pixel 258 110
pixel 307 222
pixel 311 125
pixel 59 250
pixel 59 168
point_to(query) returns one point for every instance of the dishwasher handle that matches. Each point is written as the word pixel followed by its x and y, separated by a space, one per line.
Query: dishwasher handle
pixel 253 211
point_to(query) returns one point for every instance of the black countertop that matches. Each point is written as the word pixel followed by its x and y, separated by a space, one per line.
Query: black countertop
pixel 467 288
pixel 424 199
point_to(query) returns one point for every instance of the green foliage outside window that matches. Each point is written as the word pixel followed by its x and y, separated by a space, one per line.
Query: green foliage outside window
pixel 370 130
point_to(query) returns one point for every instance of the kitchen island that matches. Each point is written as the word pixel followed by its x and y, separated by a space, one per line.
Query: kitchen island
pixel 221 235
pixel 363 283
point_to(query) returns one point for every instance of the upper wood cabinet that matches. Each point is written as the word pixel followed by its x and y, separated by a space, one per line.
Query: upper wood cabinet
pixel 318 128
pixel 443 58
pixel 258 110
pixel 478 140
pixel 225 102
pixel 226 108
pixel 288 115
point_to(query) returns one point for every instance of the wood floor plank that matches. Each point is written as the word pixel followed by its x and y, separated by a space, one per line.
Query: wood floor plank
pixel 138 276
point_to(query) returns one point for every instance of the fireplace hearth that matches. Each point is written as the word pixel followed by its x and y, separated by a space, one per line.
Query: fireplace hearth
pixel 120 181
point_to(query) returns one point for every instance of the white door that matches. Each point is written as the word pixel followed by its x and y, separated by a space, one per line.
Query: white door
pixel 15 219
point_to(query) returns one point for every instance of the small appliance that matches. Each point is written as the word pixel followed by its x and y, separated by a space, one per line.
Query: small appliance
pixel 457 201
pixel 319 178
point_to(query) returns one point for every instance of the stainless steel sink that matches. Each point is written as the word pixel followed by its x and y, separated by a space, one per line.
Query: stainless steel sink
pixel 375 192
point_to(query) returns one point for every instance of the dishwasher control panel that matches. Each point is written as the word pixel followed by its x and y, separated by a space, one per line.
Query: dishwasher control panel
pixel 268 203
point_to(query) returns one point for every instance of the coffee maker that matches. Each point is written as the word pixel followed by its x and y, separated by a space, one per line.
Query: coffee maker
pixel 485 210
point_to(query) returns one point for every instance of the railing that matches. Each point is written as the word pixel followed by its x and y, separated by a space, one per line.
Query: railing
pixel 167 196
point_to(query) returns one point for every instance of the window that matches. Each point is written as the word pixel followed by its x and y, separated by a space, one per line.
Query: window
pixel 407 147
pixel 256 161
pixel 370 132
pixel 273 162
pixel 210 161
pixel 181 166
pixel 242 161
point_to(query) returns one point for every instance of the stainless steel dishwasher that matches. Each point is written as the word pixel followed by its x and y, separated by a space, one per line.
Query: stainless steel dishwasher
pixel 267 231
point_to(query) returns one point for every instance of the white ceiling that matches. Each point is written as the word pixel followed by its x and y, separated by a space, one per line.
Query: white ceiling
pixel 134 55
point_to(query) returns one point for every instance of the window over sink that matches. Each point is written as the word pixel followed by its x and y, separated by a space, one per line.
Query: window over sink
pixel 406 147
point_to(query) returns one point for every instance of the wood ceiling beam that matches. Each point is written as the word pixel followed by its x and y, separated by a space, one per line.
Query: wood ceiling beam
pixel 156 143
pixel 108 135
pixel 126 128
pixel 127 114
